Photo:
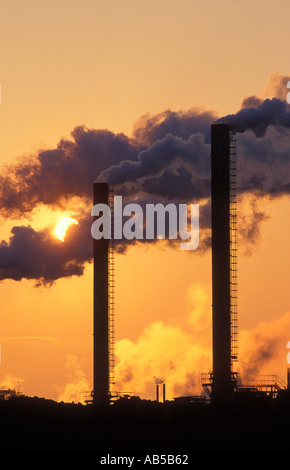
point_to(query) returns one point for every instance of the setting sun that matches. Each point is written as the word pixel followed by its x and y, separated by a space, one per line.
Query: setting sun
pixel 63 224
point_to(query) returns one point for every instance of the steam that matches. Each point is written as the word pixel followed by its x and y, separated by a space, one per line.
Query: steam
pixel 263 346
pixel 167 158
pixel 178 355
pixel 78 385
pixel 271 112
pixel 53 177
pixel 167 353
pixel 38 255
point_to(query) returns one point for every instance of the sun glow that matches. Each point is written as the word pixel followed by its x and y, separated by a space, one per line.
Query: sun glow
pixel 62 226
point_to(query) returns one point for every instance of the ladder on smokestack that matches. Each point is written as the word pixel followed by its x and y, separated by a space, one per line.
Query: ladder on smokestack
pixel 111 296
pixel 233 248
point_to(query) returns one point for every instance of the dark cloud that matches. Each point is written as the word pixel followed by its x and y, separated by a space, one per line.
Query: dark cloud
pixel 251 102
pixel 178 183
pixel 271 112
pixel 171 150
pixel 167 158
pixel 264 163
pixel 54 176
pixel 39 255
pixel 150 128
pixel 250 227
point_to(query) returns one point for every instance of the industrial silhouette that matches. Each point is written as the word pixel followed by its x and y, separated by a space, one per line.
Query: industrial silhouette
pixel 184 424
pixel 222 382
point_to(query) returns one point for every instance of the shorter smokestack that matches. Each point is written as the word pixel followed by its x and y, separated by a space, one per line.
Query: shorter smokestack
pixel 163 393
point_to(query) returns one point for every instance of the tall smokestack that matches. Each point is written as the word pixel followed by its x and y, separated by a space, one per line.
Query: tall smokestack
pixel 101 293
pixel 221 295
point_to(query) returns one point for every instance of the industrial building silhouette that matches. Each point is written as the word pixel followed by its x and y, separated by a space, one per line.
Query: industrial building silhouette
pixel 221 383
pixel 235 417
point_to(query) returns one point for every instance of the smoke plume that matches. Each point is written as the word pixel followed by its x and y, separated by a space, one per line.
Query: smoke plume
pixel 167 158
pixel 264 346
pixel 39 255
pixel 271 112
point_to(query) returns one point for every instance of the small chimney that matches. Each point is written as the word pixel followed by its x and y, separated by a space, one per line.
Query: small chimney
pixel 157 392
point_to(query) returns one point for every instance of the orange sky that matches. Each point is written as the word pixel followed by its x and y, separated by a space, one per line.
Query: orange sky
pixel 104 64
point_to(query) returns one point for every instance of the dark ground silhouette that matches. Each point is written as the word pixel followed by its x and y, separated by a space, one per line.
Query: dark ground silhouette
pixel 247 422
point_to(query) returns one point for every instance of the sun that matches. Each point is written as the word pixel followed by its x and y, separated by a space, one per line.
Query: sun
pixel 62 226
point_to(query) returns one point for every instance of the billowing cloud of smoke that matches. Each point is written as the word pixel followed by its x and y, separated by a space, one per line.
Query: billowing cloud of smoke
pixel 193 153
pixel 54 176
pixel 264 163
pixel 250 225
pixel 264 348
pixel 276 86
pixel 168 353
pixel 77 387
pixel 167 158
pixel 257 114
pixel 148 129
pixel 177 356
pixel 272 112
pixel 9 381
pixel 39 255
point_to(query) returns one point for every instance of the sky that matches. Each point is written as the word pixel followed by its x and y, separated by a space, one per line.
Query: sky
pixel 114 89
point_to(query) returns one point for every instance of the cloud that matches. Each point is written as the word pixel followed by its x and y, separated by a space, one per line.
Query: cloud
pixel 250 225
pixel 177 356
pixel 38 255
pixel 168 353
pixel 168 155
pixel 270 112
pixel 10 381
pixel 264 348
pixel 162 350
pixel 150 128
pixel 276 86
pixel 53 177
pixel 192 152
pixel 167 158
pixel 77 387
pixel 264 163
pixel 199 297
pixel 251 102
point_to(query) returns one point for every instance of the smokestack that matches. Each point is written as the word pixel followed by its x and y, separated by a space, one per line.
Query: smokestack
pixel 157 392
pixel 163 393
pixel 101 293
pixel 221 301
